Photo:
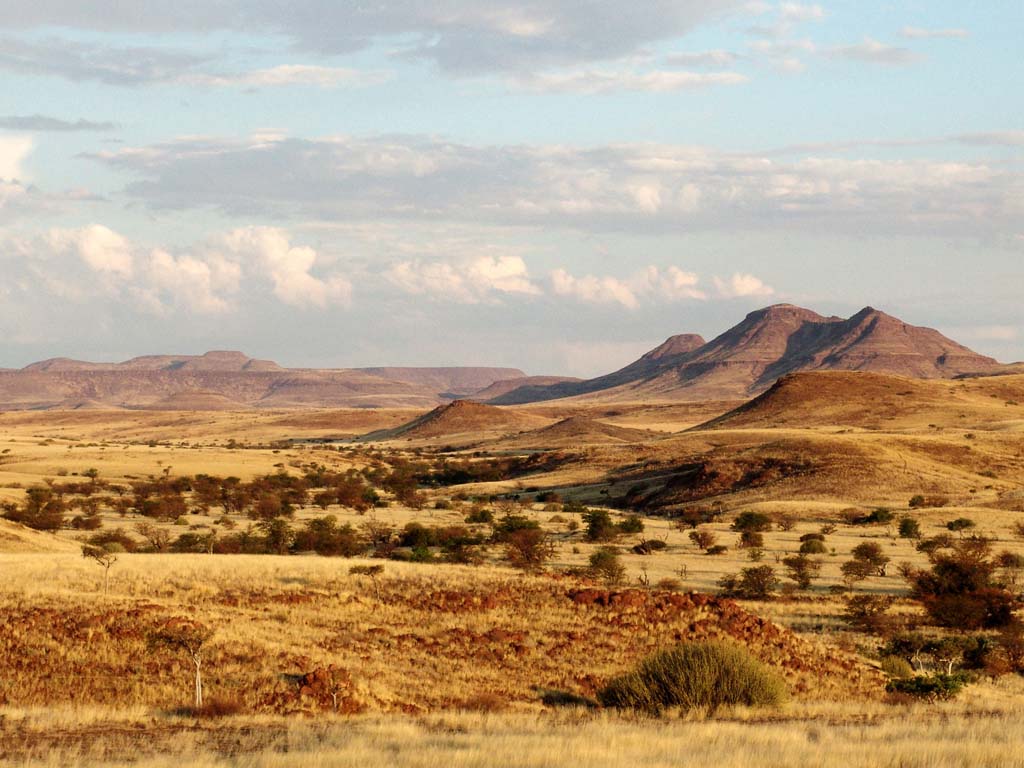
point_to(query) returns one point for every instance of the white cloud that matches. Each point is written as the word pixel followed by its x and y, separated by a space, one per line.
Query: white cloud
pixel 76 263
pixel 717 59
pixel 659 81
pixel 620 187
pixel 13 151
pixel 100 248
pixel 294 74
pixel 459 36
pixel 199 284
pixel 798 12
pixel 742 285
pixel 651 283
pixel 597 290
pixel 470 281
pixel 289 268
pixel 872 51
pixel 918 33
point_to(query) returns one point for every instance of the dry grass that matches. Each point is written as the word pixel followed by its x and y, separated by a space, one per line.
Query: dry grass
pixel 921 737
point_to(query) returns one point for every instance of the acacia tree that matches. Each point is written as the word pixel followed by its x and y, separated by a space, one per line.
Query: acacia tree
pixel 180 634
pixel 101 556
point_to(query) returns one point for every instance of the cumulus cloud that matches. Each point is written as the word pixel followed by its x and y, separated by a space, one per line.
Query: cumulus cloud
pixel 202 285
pixel 205 278
pixel 589 288
pixel 623 187
pixel 13 151
pixel 742 285
pixel 99 247
pixel 470 281
pixel 651 283
pixel 288 267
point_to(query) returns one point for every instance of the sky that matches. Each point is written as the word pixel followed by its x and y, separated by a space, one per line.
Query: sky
pixel 556 186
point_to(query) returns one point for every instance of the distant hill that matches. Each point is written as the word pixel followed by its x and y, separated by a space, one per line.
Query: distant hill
pixel 462 417
pixel 576 431
pixel 771 343
pixel 222 380
pixel 456 381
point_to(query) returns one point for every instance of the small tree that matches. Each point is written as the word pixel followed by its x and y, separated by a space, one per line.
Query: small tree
pixel 606 565
pixel 870 554
pixel 103 557
pixel 703 538
pixel 960 525
pixel 909 528
pixel 756 583
pixel 801 569
pixel 180 634
pixel 528 548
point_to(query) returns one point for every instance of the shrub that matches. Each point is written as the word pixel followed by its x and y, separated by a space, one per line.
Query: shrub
pixel 751 540
pixel 867 612
pixel 813 547
pixel 960 525
pixel 801 569
pixel 960 591
pixel 599 525
pixel 702 538
pixel 934 687
pixel 755 522
pixel 695 676
pixel 717 549
pixel 606 565
pixel 755 583
pixel 480 515
pixel 917 501
pixel 909 528
pixel 631 524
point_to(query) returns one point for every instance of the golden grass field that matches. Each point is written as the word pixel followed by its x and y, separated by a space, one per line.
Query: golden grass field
pixel 439 664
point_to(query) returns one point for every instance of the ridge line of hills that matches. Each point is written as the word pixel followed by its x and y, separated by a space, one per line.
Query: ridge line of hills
pixel 740 363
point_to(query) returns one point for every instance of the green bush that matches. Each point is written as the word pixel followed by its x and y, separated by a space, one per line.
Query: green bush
pixel 813 547
pixel 939 686
pixel 756 522
pixel 696 676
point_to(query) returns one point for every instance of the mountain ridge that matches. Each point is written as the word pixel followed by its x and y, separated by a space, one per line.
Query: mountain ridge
pixel 766 345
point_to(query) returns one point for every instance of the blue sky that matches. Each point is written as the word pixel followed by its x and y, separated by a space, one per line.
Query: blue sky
pixel 551 185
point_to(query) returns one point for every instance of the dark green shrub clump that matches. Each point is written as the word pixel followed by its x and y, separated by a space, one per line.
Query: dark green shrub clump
pixel 696 676
pixel 933 687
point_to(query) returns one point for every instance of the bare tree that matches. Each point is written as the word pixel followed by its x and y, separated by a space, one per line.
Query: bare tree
pixel 182 634
pixel 101 556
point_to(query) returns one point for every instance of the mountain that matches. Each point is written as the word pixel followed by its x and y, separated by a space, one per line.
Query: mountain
pixel 672 350
pixel 222 380
pixel 771 343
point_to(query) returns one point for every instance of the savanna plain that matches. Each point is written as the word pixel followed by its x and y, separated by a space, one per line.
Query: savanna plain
pixel 495 586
